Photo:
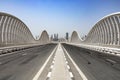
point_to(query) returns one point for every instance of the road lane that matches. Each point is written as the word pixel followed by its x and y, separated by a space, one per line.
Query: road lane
pixel 93 66
pixel 23 65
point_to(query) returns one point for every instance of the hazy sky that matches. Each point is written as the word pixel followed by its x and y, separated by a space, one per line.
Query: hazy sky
pixel 60 16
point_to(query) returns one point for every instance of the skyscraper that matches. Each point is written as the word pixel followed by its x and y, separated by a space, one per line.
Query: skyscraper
pixel 67 36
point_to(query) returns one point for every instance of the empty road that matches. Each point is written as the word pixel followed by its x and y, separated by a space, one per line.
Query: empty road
pixel 24 64
pixel 75 62
pixel 94 65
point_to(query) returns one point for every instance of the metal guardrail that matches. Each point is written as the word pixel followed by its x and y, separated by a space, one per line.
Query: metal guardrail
pixel 9 50
pixel 5 50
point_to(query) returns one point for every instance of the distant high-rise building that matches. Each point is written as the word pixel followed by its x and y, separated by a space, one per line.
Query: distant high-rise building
pixel 67 36
pixel 51 37
pixel 55 37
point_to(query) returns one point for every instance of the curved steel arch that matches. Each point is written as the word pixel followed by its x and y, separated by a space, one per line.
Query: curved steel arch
pixel 75 38
pixel 13 31
pixel 44 38
pixel 106 31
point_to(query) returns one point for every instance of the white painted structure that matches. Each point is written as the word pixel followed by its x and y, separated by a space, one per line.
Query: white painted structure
pixel 104 32
pixel 14 32
pixel 44 38
pixel 75 37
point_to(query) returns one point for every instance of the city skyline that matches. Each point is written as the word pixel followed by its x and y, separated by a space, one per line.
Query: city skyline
pixel 60 16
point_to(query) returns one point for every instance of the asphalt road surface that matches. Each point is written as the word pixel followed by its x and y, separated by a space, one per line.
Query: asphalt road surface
pixel 24 64
pixel 95 65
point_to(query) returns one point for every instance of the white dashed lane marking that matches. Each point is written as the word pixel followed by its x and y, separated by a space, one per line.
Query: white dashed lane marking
pixel 49 75
pixel 78 69
pixel 53 62
pixel 52 66
pixel 68 67
pixel 66 62
pixel 36 77
pixel 71 75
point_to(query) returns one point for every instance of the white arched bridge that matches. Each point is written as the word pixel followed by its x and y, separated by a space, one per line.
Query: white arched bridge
pixel 104 32
pixel 14 32
pixel 94 57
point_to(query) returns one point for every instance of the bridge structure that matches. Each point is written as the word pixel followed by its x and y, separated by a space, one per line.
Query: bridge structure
pixel 44 38
pixel 104 32
pixel 75 38
pixel 22 57
pixel 104 35
pixel 15 32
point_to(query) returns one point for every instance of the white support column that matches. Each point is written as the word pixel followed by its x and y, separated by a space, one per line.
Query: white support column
pixel 24 33
pixel 116 30
pixel 1 23
pixel 92 35
pixel 20 32
pixel 104 32
pixel 12 31
pixel 117 20
pixel 111 31
pixel 98 29
pixel 101 38
pixel 6 30
pixel 9 30
pixel 17 37
pixel 107 32
pixel 96 34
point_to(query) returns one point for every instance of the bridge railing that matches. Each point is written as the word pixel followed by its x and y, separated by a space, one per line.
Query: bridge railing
pixel 107 50
pixel 9 49
pixel 105 32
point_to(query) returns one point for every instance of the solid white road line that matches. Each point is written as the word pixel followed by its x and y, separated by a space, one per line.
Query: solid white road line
pixel 78 69
pixel 42 68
